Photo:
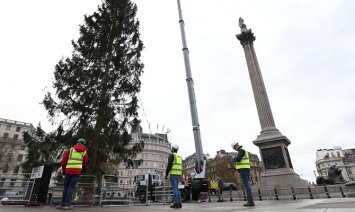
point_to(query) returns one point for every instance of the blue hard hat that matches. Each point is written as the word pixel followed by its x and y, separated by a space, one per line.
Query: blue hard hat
pixel 82 141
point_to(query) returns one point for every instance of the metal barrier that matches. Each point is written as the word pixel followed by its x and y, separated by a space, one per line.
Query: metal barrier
pixel 329 191
pixel 114 192
pixel 160 194
pixel 234 195
pixel 17 188
pixel 84 193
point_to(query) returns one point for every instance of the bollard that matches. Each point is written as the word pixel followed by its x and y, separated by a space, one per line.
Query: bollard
pixel 146 192
pixel 277 196
pixel 209 196
pixel 293 193
pixel 310 193
pixel 244 195
pixel 230 196
pixel 341 192
pixel 326 191
pixel 260 199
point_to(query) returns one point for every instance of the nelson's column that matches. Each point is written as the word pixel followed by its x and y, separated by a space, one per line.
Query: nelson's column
pixel 278 170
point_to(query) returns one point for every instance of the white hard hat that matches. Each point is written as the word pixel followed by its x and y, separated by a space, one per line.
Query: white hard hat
pixel 233 144
pixel 175 146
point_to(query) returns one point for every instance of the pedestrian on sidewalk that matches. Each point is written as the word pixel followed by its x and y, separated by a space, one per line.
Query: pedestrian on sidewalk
pixel 73 161
pixel 174 170
pixel 242 164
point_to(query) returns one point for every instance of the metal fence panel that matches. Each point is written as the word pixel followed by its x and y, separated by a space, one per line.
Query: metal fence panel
pixel 16 188
pixel 84 194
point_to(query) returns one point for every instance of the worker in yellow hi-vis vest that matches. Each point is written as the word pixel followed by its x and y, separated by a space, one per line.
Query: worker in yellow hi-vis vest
pixel 242 164
pixel 72 166
pixel 174 170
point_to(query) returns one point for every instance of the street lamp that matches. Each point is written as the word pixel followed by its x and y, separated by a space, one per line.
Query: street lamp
pixel 314 173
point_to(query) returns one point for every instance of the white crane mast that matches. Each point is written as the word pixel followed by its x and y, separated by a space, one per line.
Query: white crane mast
pixel 200 160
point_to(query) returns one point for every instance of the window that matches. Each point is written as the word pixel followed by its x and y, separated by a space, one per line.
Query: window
pixel 2 181
pixel 18 129
pixel 5 169
pixel 6 135
pixel 23 147
pixel 338 153
pixel 17 169
pixel 349 171
pixel 19 158
pixel 12 183
pixel 15 137
pixel 8 127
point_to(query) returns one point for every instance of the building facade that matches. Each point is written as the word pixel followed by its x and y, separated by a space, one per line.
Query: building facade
pixel 12 144
pixel 154 155
pixel 343 159
pixel 12 151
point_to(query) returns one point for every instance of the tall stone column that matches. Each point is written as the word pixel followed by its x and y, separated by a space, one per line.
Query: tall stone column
pixel 278 169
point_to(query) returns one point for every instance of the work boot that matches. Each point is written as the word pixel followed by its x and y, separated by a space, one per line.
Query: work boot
pixel 249 203
pixel 67 207
pixel 179 205
pixel 173 205
pixel 61 206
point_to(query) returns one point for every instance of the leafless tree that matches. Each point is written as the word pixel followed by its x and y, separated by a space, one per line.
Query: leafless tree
pixel 7 156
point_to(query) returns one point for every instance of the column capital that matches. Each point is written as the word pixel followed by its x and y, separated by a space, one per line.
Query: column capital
pixel 246 37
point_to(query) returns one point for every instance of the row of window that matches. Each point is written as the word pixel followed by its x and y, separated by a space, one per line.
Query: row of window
pixel 9 126
pixel 6 135
pixel 6 169
pixel 152 164
pixel 153 157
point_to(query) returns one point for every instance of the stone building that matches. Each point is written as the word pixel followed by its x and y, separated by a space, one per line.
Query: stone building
pixel 12 145
pixel 12 151
pixel 222 167
pixel 343 159
pixel 154 155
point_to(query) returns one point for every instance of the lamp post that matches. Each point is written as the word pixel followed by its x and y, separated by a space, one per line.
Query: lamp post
pixel 315 175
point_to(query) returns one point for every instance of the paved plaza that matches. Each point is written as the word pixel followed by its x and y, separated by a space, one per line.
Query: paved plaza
pixel 306 205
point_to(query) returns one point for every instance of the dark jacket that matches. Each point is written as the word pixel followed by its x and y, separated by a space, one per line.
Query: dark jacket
pixel 240 155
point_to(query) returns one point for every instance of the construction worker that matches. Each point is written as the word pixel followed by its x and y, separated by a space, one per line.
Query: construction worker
pixel 72 165
pixel 174 170
pixel 243 166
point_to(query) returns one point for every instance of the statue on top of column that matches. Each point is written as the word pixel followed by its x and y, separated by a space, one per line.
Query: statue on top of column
pixel 241 23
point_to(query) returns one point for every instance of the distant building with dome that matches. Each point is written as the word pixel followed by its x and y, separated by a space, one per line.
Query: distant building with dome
pixel 155 156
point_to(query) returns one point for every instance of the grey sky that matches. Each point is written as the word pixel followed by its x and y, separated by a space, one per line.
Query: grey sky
pixel 305 51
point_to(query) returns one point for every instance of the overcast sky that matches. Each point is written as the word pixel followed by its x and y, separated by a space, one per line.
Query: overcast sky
pixel 305 51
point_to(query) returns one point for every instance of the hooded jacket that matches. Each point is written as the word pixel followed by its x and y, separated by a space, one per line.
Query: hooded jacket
pixel 78 148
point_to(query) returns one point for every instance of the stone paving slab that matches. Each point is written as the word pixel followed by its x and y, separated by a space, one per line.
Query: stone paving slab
pixel 317 205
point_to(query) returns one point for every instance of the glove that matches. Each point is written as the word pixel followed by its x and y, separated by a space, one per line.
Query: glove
pixel 63 172
pixel 166 176
pixel 83 169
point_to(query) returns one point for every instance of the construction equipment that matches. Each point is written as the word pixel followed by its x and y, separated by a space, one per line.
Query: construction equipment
pixel 198 182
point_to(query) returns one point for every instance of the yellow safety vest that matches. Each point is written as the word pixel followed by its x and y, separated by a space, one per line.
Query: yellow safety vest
pixel 244 163
pixel 176 168
pixel 75 159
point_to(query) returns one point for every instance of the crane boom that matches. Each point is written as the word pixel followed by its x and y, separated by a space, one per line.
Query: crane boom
pixel 200 161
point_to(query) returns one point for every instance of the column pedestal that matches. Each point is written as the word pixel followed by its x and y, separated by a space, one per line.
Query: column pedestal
pixel 278 170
